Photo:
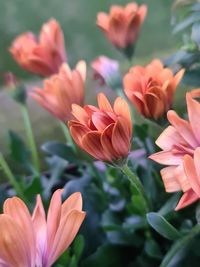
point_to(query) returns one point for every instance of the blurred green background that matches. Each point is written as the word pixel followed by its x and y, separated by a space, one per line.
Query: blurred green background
pixel 77 18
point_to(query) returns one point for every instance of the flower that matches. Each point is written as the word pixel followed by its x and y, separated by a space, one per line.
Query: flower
pixel 104 132
pixel 105 69
pixel 62 90
pixel 181 138
pixel 122 25
pixel 151 88
pixel 27 241
pixel 44 55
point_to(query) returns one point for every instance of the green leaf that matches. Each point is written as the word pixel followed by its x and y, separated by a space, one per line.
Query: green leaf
pixel 196 33
pixel 187 22
pixel 60 150
pixel 170 205
pixel 19 94
pixel 152 249
pixel 78 246
pixel 162 226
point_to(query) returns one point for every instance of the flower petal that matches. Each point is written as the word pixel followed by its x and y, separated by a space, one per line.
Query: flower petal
pixel 169 180
pixel 73 202
pixel 103 103
pixel 66 234
pixel 187 199
pixel 14 248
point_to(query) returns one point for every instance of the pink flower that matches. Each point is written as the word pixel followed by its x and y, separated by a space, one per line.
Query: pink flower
pixel 105 69
pixel 44 55
pixel 27 241
pixel 181 138
pixel 62 90
pixel 122 24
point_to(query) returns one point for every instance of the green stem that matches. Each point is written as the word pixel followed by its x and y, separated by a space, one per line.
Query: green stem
pixel 6 169
pixel 30 137
pixel 135 181
pixel 68 136
pixel 180 244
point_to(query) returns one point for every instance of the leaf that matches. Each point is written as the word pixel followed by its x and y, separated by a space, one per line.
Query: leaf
pixel 170 205
pixel 152 249
pixel 162 226
pixel 196 33
pixel 78 246
pixel 19 152
pixel 61 150
pixel 187 22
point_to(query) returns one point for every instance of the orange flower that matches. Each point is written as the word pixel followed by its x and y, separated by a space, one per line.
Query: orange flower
pixel 151 88
pixel 122 25
pixel 104 132
pixel 62 90
pixel 38 241
pixel 43 56
pixel 179 139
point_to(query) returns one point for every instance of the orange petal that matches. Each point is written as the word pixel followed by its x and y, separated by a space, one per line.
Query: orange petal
pixel 73 202
pixel 168 138
pixel 191 174
pixel 103 103
pixel 53 218
pixel 77 131
pixel 166 158
pixel 181 177
pixel 183 127
pixel 121 138
pixel 66 233
pixel 14 248
pixel 80 114
pixel 91 143
pixel 107 143
pixel 196 162
pixel 17 210
pixel 187 199
pixel 82 68
pixel 121 108
pixel 40 226
pixel 169 180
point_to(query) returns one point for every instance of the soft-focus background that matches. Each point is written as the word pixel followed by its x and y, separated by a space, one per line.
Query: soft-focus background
pixel 77 18
pixel 83 41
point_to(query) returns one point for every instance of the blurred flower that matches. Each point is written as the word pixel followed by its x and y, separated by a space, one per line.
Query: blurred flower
pixel 195 93
pixel 37 241
pixel 151 88
pixel 104 132
pixel 122 25
pixel 179 139
pixel 10 80
pixel 62 90
pixel 105 69
pixel 44 55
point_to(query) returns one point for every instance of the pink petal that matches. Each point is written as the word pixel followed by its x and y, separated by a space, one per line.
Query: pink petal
pixel 168 138
pixel 169 180
pixel 166 158
pixel 187 199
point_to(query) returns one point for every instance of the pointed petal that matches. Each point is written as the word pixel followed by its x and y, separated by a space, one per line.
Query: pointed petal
pixel 82 68
pixel 183 127
pixel 73 202
pixel 17 210
pixel 121 137
pixel 168 138
pixel 190 171
pixel 187 199
pixel 103 103
pixel 121 108
pixel 166 158
pixel 66 233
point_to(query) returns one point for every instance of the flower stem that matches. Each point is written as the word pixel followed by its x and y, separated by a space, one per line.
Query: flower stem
pixel 68 136
pixel 135 181
pixel 6 169
pixel 179 244
pixel 30 137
